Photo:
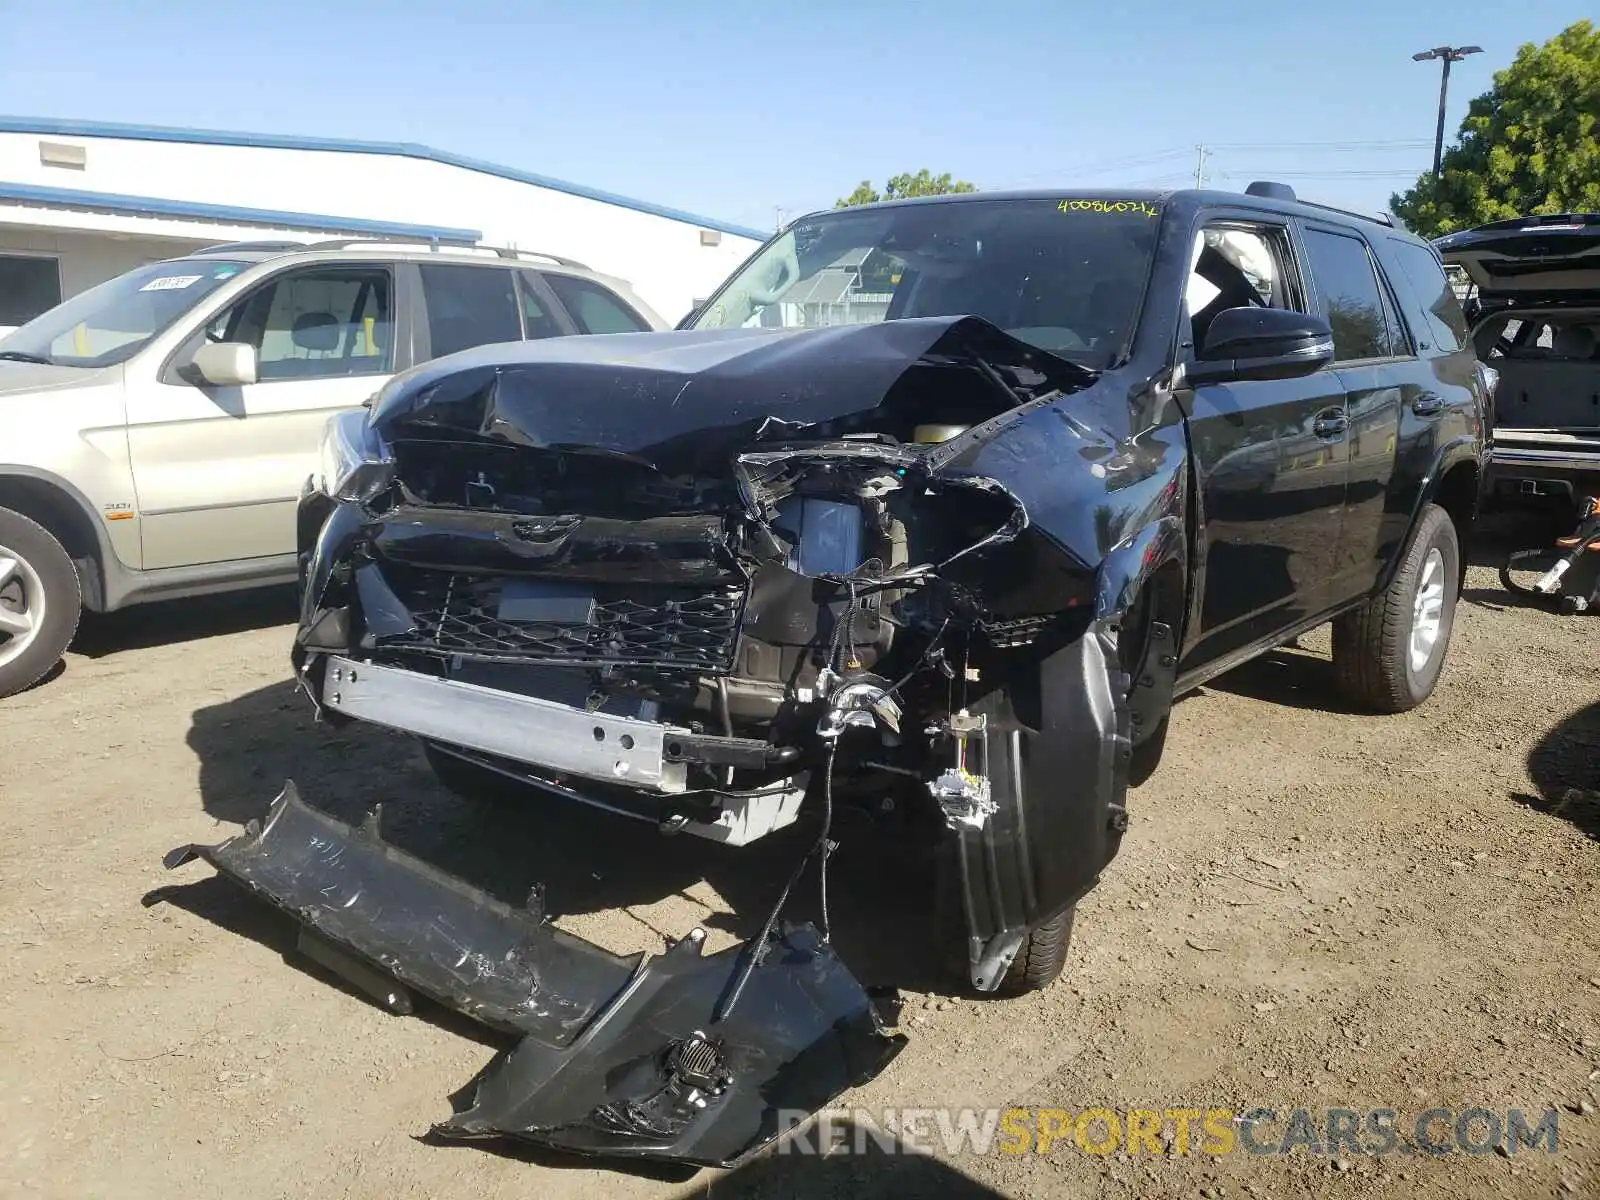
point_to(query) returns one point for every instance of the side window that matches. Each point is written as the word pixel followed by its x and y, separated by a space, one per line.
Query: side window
pixel 469 306
pixel 1239 266
pixel 319 323
pixel 595 309
pixel 1446 322
pixel 537 319
pixel 1351 300
pixel 1399 339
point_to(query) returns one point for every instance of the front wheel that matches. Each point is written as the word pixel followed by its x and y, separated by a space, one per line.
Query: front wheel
pixel 1040 959
pixel 40 602
pixel 1388 653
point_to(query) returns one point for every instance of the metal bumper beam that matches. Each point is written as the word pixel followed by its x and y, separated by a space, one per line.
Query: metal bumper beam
pixel 557 738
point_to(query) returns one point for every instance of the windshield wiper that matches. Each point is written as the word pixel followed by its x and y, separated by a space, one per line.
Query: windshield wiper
pixel 24 356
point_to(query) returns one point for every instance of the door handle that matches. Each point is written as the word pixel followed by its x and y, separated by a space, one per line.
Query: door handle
pixel 1330 424
pixel 1428 405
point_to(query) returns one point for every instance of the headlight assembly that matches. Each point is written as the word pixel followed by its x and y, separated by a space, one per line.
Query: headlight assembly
pixel 353 463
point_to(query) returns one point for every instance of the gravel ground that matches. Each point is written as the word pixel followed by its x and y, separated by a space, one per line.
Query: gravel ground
pixel 1313 908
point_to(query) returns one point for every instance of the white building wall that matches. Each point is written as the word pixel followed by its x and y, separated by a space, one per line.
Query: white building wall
pixel 663 258
pixel 88 258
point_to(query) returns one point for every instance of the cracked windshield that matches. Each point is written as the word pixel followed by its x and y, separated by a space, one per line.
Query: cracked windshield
pixel 1063 275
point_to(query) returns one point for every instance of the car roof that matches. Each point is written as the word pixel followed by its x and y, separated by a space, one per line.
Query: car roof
pixel 391 250
pixel 1187 198
pixel 269 251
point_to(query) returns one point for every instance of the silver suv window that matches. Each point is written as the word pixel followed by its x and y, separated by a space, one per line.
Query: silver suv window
pixel 469 306
pixel 315 323
pixel 594 309
pixel 113 321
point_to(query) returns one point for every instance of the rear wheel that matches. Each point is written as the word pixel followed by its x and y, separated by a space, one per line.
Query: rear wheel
pixel 1388 653
pixel 40 602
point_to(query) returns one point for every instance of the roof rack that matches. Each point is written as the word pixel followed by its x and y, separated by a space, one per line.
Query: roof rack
pixel 1270 190
pixel 243 247
pixel 437 244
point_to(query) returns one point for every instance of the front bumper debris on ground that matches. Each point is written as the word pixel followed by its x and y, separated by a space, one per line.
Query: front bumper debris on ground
pixel 629 1057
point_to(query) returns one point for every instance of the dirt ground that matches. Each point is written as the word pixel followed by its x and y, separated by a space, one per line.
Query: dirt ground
pixel 1312 908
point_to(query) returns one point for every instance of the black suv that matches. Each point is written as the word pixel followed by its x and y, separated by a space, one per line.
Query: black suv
pixel 931 509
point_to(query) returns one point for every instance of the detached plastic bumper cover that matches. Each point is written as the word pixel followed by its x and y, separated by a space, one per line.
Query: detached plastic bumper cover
pixel 619 1056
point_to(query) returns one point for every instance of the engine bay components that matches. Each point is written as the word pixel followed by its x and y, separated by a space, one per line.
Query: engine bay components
pixel 962 790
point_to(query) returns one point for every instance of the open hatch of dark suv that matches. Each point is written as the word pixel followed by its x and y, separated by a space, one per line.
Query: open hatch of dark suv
pixel 1535 313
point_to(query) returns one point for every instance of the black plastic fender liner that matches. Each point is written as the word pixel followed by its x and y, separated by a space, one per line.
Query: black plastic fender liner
pixel 619 1056
pixel 1057 750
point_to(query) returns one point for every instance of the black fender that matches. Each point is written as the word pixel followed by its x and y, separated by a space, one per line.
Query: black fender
pixel 1059 740
pixel 1462 503
pixel 1056 753
pixel 1143 586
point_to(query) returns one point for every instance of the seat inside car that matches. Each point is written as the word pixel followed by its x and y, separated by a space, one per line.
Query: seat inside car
pixel 1550 388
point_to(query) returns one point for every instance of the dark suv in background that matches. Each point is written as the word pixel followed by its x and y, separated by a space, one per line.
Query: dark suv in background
pixel 1534 305
pixel 930 510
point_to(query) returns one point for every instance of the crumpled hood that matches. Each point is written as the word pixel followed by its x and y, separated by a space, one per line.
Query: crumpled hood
pixel 652 395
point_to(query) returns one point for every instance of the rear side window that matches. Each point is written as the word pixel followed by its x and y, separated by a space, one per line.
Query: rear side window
pixel 595 309
pixel 1446 321
pixel 469 306
pixel 1351 299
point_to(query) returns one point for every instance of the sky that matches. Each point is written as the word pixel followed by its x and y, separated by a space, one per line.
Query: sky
pixel 752 113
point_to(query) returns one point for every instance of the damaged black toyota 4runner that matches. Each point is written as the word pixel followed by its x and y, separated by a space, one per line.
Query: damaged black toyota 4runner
pixel 932 508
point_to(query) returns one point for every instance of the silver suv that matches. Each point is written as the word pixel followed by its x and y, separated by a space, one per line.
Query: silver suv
pixel 158 427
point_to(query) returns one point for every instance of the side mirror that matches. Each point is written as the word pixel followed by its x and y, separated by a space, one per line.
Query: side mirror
pixel 225 364
pixel 1261 343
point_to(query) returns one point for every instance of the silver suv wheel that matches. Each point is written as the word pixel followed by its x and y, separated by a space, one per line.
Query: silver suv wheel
pixel 22 604
pixel 40 597
pixel 1427 610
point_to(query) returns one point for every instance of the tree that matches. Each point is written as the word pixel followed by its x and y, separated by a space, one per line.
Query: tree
pixel 1531 144
pixel 905 185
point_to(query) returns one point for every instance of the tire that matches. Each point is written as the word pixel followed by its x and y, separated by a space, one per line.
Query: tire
pixel 1378 648
pixel 1042 956
pixel 1039 961
pixel 40 602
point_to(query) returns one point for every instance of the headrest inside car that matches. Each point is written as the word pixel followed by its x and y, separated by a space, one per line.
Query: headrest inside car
pixel 316 331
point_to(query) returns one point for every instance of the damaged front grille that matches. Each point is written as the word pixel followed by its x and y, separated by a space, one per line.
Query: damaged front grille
pixel 646 627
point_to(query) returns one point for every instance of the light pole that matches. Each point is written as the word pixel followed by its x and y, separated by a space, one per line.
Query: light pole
pixel 1447 54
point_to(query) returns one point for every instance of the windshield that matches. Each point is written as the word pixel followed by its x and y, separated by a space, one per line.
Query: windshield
pixel 111 322
pixel 1065 275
